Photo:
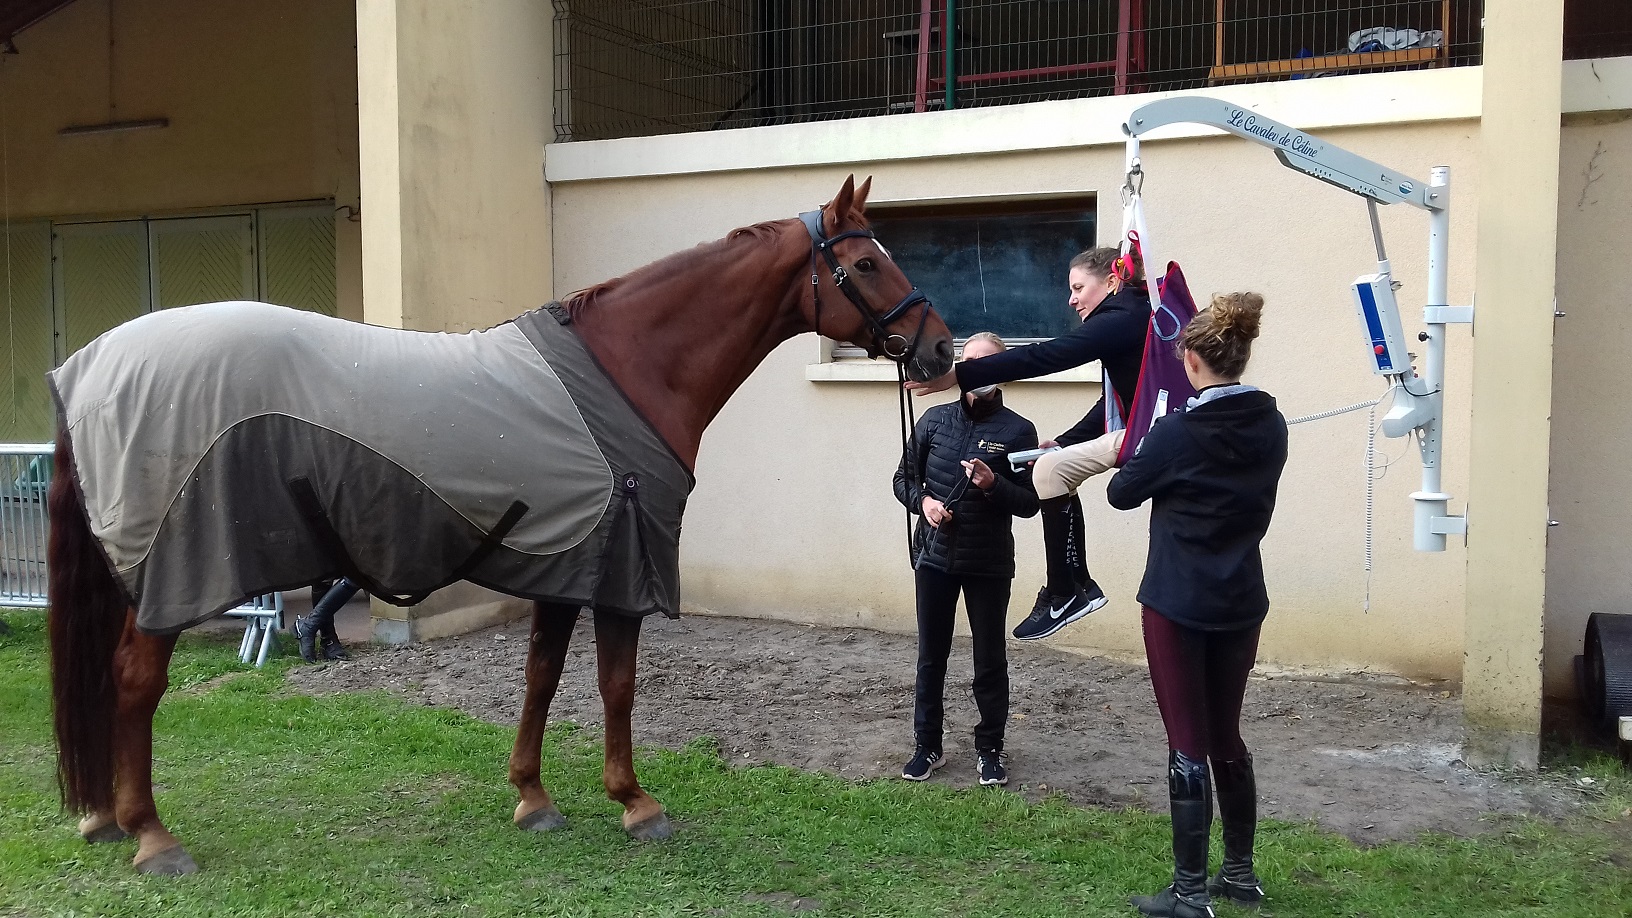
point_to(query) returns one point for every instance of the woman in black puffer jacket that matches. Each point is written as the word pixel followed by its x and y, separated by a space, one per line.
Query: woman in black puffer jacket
pixel 955 477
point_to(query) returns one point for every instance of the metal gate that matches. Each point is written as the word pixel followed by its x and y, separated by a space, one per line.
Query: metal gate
pixel 25 477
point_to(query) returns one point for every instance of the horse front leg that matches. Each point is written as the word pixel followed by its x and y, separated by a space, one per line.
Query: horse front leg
pixel 141 672
pixel 546 653
pixel 616 639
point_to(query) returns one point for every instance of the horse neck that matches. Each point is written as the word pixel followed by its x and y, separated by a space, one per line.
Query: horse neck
pixel 679 340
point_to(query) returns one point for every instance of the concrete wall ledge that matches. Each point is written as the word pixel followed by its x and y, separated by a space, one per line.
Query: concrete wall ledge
pixel 458 609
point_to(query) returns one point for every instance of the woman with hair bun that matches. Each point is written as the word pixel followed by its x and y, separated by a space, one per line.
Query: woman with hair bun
pixel 1210 474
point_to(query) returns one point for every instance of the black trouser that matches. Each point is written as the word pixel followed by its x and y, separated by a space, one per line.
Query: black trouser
pixel 1200 678
pixel 986 599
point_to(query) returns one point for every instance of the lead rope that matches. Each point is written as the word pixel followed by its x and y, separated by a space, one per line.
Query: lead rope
pixel 909 441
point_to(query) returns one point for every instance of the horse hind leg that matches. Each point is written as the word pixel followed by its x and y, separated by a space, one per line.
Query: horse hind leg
pixel 141 669
pixel 616 639
pixel 546 654
pixel 98 827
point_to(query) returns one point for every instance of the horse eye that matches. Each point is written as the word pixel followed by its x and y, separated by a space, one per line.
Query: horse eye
pixel 864 265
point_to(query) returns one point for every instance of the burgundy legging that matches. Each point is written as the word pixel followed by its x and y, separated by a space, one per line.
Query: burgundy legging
pixel 1200 677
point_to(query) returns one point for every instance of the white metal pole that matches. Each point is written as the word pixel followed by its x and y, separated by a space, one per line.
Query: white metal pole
pixel 1431 502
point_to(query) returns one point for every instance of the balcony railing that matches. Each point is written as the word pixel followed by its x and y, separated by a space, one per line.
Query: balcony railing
pixel 637 67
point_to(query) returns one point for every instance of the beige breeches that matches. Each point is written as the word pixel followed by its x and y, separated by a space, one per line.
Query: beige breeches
pixel 1059 473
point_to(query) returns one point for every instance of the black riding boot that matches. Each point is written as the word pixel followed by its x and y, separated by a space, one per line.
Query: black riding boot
pixel 1191 802
pixel 320 624
pixel 1238 810
pixel 329 643
pixel 306 634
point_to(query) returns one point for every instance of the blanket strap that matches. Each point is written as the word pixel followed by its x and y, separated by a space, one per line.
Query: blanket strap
pixel 317 519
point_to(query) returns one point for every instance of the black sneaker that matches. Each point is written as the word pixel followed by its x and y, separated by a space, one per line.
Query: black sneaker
pixel 1053 613
pixel 989 765
pixel 924 761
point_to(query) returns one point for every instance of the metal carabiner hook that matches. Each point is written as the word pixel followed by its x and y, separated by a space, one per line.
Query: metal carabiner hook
pixel 1134 182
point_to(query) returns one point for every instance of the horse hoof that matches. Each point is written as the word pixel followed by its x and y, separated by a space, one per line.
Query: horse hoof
pixel 651 829
pixel 96 832
pixel 171 862
pixel 543 819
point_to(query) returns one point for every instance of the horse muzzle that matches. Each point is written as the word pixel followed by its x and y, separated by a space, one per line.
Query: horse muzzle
pixel 932 359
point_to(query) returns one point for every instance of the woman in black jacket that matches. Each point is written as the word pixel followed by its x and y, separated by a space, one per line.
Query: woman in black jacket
pixel 1108 292
pixel 1210 474
pixel 954 475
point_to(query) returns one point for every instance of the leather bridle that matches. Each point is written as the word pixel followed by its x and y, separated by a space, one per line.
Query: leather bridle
pixel 893 346
pixel 882 337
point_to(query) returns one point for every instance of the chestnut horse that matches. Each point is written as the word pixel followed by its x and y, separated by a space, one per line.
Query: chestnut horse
pixel 677 337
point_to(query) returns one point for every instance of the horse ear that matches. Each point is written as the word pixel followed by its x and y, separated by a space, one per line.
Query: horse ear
pixel 840 206
pixel 861 196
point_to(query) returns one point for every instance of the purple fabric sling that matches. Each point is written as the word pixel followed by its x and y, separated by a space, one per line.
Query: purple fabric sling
pixel 1163 386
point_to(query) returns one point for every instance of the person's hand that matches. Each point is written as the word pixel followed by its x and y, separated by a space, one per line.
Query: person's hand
pixel 1048 444
pixel 935 512
pixel 979 474
pixel 938 384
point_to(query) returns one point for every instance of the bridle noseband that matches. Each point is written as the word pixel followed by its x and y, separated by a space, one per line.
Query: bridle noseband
pixel 882 337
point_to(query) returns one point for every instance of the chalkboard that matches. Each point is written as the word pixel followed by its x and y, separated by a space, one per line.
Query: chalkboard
pixel 1004 273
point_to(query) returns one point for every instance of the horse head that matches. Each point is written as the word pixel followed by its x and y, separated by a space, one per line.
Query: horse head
pixel 891 317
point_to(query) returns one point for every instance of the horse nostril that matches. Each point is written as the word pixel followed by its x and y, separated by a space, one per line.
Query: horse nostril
pixel 943 349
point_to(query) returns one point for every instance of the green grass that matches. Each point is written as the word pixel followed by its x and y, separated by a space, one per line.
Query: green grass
pixel 364 805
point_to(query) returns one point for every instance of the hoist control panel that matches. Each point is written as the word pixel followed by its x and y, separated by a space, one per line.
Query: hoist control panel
pixel 1380 316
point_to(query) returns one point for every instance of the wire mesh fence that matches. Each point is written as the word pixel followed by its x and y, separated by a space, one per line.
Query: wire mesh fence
pixel 638 67
pixel 1597 28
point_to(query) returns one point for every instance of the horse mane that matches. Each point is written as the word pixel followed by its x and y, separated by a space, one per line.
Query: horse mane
pixel 765 232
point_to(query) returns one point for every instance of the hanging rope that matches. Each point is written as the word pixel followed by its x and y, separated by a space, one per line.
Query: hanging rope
pixel 909 435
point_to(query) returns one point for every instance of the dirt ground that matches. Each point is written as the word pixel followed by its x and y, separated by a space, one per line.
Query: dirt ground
pixel 1372 760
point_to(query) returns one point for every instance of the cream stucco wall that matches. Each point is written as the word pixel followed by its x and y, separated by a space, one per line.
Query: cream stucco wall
pixel 261 100
pixel 455 112
pixel 454 108
pixel 1588 569
pixel 793 517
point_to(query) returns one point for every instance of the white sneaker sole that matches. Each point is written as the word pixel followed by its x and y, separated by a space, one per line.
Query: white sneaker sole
pixel 1093 606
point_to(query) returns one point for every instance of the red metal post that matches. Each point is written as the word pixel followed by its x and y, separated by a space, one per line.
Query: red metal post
pixel 1136 61
pixel 920 94
pixel 1124 49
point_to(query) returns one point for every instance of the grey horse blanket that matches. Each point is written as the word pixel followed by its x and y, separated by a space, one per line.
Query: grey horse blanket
pixel 231 449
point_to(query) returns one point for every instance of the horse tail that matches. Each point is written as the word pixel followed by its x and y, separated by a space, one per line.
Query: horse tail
pixel 85 622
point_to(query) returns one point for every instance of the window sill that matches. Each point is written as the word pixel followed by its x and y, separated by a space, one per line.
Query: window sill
pixel 845 370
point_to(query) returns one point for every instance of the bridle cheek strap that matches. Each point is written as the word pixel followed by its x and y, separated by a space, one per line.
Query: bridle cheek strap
pixel 883 339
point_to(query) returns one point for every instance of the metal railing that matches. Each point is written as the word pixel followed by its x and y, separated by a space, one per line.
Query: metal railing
pixel 25 479
pixel 629 68
pixel 25 476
